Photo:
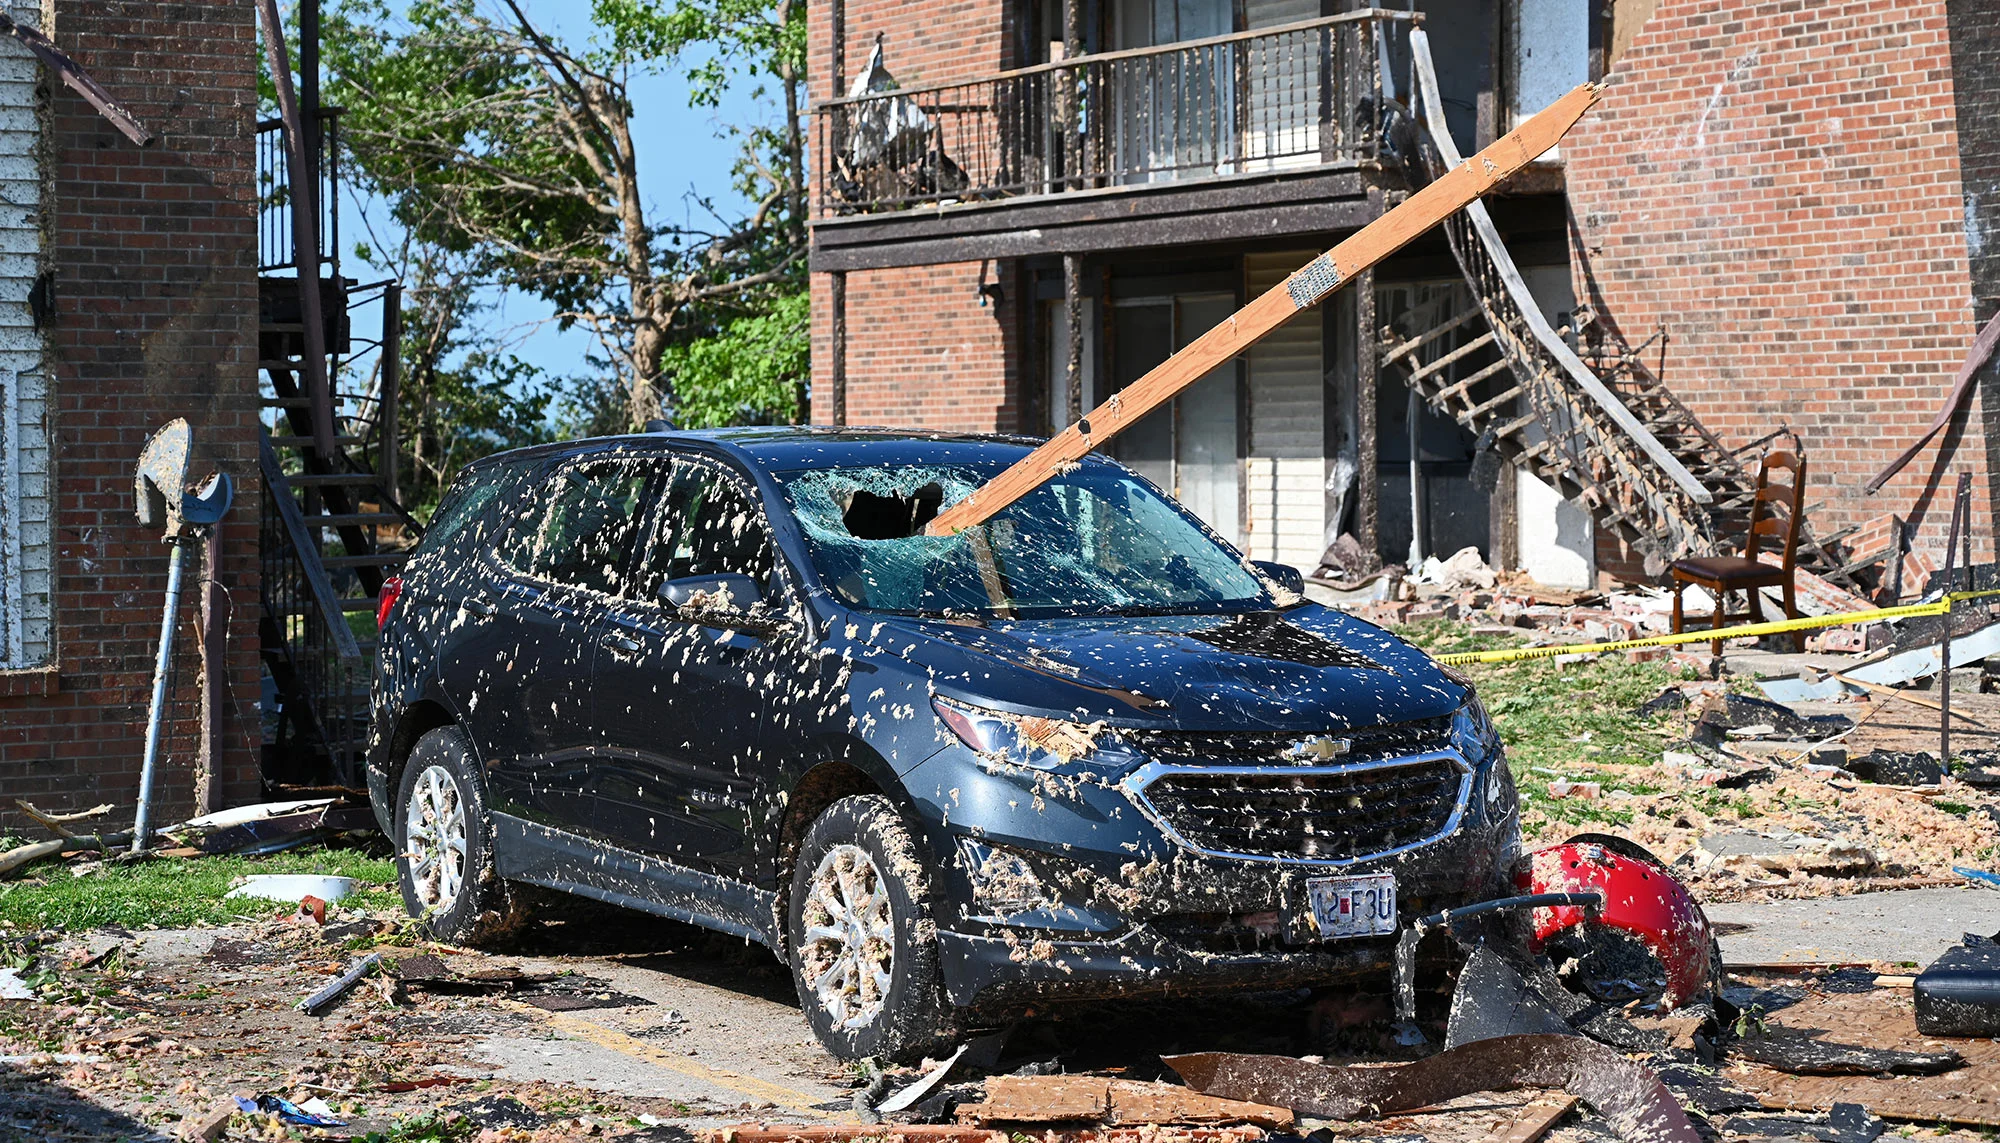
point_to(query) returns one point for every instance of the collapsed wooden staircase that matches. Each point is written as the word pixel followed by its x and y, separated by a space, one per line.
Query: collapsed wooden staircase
pixel 1482 363
pixel 1479 365
pixel 332 531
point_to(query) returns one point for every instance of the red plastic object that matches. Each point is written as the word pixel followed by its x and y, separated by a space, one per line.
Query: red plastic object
pixel 1640 898
pixel 391 588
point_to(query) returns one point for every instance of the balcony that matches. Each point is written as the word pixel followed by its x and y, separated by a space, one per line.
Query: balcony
pixel 1143 129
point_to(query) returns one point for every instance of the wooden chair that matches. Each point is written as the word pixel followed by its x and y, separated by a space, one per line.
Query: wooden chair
pixel 1775 513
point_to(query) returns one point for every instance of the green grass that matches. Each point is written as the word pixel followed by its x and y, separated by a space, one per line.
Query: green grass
pixel 177 892
pixel 1566 720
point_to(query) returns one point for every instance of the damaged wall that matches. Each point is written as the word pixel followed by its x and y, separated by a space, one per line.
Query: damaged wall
pixel 151 314
pixel 1778 185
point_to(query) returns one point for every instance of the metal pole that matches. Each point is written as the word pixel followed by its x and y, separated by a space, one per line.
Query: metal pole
pixel 1959 505
pixel 388 410
pixel 157 716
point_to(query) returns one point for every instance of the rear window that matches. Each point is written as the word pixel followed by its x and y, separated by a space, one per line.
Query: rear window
pixel 465 501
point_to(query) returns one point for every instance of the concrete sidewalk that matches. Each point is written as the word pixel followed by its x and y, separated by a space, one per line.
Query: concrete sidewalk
pixel 1909 926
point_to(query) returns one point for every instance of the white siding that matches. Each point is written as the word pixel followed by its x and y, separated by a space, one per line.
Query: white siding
pixel 1285 475
pixel 25 503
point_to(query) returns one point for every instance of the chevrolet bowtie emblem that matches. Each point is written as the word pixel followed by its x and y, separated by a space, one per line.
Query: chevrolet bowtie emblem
pixel 1318 748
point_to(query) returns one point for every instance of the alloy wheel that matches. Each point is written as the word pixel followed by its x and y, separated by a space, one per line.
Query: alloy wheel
pixel 849 948
pixel 434 839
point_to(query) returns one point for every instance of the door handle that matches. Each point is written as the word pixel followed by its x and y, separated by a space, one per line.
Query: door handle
pixel 620 644
pixel 479 605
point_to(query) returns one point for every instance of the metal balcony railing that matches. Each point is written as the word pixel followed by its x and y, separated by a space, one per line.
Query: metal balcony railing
pixel 274 196
pixel 1308 94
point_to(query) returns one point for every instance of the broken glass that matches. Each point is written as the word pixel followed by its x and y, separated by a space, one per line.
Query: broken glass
pixel 1091 541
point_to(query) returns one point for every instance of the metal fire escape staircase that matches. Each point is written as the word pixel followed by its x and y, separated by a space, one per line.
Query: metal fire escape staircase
pixel 1612 439
pixel 332 530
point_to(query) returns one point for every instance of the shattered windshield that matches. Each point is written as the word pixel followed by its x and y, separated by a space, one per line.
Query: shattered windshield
pixel 1095 540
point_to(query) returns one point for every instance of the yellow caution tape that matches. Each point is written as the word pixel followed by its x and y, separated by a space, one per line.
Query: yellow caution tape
pixel 1747 631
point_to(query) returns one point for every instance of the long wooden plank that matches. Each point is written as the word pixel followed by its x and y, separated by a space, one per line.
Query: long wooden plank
pixel 1303 289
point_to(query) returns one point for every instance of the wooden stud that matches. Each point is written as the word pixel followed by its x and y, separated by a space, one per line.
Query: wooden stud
pixel 837 367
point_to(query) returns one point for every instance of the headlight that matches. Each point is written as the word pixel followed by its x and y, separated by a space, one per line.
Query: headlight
pixel 1025 739
pixel 1472 731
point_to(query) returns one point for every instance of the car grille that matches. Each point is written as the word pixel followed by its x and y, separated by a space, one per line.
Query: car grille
pixel 1327 814
pixel 1365 744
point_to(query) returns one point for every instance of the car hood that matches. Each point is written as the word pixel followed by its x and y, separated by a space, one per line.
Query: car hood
pixel 1307 668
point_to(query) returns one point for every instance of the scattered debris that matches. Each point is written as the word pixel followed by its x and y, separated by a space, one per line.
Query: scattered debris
pixel 293 887
pixel 1897 767
pixel 312 1113
pixel 1628 1094
pixel 327 997
pixel 1098 1099
pixel 29 854
pixel 1781 851
pixel 1843 1123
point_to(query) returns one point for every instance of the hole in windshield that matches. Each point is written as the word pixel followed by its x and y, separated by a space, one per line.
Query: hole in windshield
pixel 871 516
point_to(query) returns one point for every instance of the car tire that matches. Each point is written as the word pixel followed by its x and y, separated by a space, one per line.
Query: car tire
pixel 859 857
pixel 444 846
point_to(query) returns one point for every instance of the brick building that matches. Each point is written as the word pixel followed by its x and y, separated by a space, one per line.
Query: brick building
pixel 1764 223
pixel 128 296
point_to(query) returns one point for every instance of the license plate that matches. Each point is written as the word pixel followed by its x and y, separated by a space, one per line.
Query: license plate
pixel 1354 906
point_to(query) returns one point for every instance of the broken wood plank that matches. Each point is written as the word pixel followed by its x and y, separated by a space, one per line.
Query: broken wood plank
pixel 1100 1099
pixel 1042 1099
pixel 28 854
pixel 1306 287
pixel 1906 696
pixel 1133 1102
pixel 845 1132
pixel 1535 1120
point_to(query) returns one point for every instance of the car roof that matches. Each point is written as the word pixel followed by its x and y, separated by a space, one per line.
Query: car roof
pixel 784 447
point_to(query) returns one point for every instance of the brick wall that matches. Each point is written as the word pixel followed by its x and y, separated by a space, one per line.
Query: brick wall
pixel 921 42
pixel 1778 184
pixel 921 350
pixel 154 260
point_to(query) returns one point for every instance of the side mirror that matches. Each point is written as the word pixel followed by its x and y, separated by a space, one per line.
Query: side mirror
pixel 1284 575
pixel 729 596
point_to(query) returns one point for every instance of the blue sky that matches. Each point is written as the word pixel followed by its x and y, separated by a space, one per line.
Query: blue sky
pixel 684 153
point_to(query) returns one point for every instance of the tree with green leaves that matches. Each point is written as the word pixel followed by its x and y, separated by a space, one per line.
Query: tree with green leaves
pixel 498 145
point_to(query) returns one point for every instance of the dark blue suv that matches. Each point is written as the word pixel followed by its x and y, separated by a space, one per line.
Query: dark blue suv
pixel 1085 749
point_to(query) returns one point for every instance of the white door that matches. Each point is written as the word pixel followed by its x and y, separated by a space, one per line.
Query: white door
pixel 1189 445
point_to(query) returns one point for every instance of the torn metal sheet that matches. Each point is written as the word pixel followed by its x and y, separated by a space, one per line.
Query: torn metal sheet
pixel 1907 667
pixel 1796 1053
pixel 77 80
pixel 1492 1000
pixel 1626 1094
pixel 1845 1123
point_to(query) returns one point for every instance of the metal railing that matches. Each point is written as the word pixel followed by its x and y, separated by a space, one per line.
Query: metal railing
pixel 275 248
pixel 321 672
pixel 1307 94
